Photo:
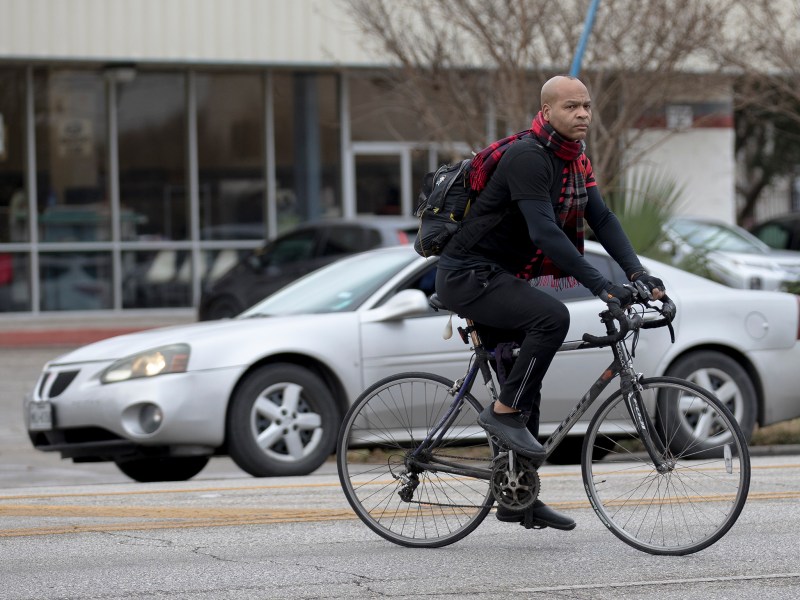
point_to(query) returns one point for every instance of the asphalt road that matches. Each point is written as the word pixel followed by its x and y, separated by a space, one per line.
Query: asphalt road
pixel 71 532
pixel 296 538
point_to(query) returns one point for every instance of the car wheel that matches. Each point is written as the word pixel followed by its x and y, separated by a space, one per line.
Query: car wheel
pixel 167 468
pixel 222 308
pixel 727 380
pixel 282 421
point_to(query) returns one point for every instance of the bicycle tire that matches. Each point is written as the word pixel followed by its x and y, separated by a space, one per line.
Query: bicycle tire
pixel 386 423
pixel 694 503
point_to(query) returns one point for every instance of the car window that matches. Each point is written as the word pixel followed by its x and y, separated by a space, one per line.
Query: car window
pixel 340 287
pixel 773 235
pixel 291 248
pixel 349 239
pixel 711 236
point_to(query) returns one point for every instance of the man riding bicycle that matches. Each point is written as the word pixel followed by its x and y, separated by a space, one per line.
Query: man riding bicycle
pixel 542 183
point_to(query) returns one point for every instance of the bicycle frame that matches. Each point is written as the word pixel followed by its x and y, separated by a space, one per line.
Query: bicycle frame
pixel 621 365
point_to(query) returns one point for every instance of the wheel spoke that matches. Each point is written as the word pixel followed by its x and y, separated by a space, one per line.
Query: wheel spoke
pixel 727 393
pixel 270 436
pixel 308 421
pixel 704 424
pixel 291 397
pixel 294 445
pixel 267 409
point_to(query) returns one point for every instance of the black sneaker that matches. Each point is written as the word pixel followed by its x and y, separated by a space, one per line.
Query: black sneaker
pixel 537 516
pixel 510 429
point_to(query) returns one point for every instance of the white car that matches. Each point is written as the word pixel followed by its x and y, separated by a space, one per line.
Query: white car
pixel 730 255
pixel 270 387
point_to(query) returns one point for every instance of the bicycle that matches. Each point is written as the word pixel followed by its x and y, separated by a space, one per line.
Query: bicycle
pixel 664 463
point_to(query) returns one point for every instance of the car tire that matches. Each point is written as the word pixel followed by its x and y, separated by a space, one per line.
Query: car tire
pixel 282 421
pixel 726 379
pixel 570 450
pixel 166 468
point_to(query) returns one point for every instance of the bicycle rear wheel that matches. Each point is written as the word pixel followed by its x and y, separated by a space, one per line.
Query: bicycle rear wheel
pixel 697 499
pixel 400 500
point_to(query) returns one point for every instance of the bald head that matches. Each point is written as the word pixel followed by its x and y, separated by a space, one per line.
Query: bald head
pixel 567 106
pixel 561 86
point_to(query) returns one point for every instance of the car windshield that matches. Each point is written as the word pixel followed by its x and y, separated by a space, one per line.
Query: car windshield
pixel 339 287
pixel 713 236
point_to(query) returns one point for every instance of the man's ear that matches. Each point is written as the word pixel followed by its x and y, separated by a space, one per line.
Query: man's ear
pixel 546 112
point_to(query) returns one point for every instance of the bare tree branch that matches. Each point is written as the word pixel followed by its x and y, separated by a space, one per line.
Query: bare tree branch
pixel 465 56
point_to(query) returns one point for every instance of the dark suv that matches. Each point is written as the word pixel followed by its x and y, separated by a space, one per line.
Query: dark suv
pixel 293 254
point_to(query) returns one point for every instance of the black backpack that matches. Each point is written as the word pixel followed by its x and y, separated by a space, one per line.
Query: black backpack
pixel 443 202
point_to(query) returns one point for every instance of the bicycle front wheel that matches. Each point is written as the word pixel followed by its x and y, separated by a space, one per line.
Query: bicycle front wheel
pixel 701 489
pixel 417 499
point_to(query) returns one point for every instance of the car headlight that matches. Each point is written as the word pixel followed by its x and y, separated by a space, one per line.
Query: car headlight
pixel 158 361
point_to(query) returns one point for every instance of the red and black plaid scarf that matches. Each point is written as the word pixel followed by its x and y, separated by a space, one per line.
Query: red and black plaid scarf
pixel 571 201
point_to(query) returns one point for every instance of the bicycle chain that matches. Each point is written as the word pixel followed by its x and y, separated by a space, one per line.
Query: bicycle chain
pixel 449 505
pixel 465 458
pixel 421 503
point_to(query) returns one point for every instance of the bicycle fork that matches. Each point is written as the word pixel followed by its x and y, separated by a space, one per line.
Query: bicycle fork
pixel 632 396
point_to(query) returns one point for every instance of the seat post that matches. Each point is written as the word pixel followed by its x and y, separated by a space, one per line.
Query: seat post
pixel 473 334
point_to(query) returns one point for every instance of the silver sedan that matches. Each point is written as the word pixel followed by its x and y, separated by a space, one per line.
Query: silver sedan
pixel 270 386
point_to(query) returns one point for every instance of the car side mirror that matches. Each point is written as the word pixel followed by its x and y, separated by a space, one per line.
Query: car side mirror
pixel 404 304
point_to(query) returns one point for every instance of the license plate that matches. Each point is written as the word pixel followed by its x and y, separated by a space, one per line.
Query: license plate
pixel 40 416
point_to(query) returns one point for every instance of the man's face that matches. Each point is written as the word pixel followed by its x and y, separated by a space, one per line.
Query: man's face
pixel 571 112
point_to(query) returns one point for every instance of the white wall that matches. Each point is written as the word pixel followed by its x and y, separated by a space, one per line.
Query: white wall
pixel 291 32
pixel 702 160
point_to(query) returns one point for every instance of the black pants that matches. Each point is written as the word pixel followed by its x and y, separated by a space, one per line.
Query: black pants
pixel 505 309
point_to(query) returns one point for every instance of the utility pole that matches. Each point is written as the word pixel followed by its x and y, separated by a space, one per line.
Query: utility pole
pixel 587 30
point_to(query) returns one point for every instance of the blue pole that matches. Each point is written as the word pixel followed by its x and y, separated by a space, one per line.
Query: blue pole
pixel 587 29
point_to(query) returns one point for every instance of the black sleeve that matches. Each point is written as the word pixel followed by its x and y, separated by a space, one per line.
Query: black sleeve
pixel 610 234
pixel 551 240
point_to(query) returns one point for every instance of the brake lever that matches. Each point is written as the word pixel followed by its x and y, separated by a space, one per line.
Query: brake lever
pixel 645 293
pixel 634 343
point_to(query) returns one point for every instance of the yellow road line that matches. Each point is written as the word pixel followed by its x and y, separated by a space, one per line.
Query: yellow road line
pixel 161 517
pixel 266 518
pixel 267 487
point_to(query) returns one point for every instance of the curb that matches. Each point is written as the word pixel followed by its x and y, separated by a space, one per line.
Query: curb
pixel 776 450
pixel 61 337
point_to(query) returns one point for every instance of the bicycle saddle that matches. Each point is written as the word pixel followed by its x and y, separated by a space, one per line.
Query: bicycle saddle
pixel 435 303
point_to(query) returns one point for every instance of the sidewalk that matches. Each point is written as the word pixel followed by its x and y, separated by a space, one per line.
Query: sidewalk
pixel 75 329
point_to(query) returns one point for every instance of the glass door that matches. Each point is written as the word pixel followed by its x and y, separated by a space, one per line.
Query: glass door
pixel 388 177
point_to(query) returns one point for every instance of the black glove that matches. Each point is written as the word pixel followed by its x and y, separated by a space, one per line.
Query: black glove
pixel 651 282
pixel 615 293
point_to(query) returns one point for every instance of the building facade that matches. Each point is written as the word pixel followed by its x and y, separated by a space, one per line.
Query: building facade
pixel 144 144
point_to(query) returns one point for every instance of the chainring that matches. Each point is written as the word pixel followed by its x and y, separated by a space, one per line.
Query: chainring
pixel 515 490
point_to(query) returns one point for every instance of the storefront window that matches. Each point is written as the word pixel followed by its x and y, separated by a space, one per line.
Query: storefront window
pixel 13 199
pixel 230 146
pixel 75 280
pixel 71 156
pixel 151 115
pixel 15 289
pixel 156 279
pixel 307 155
